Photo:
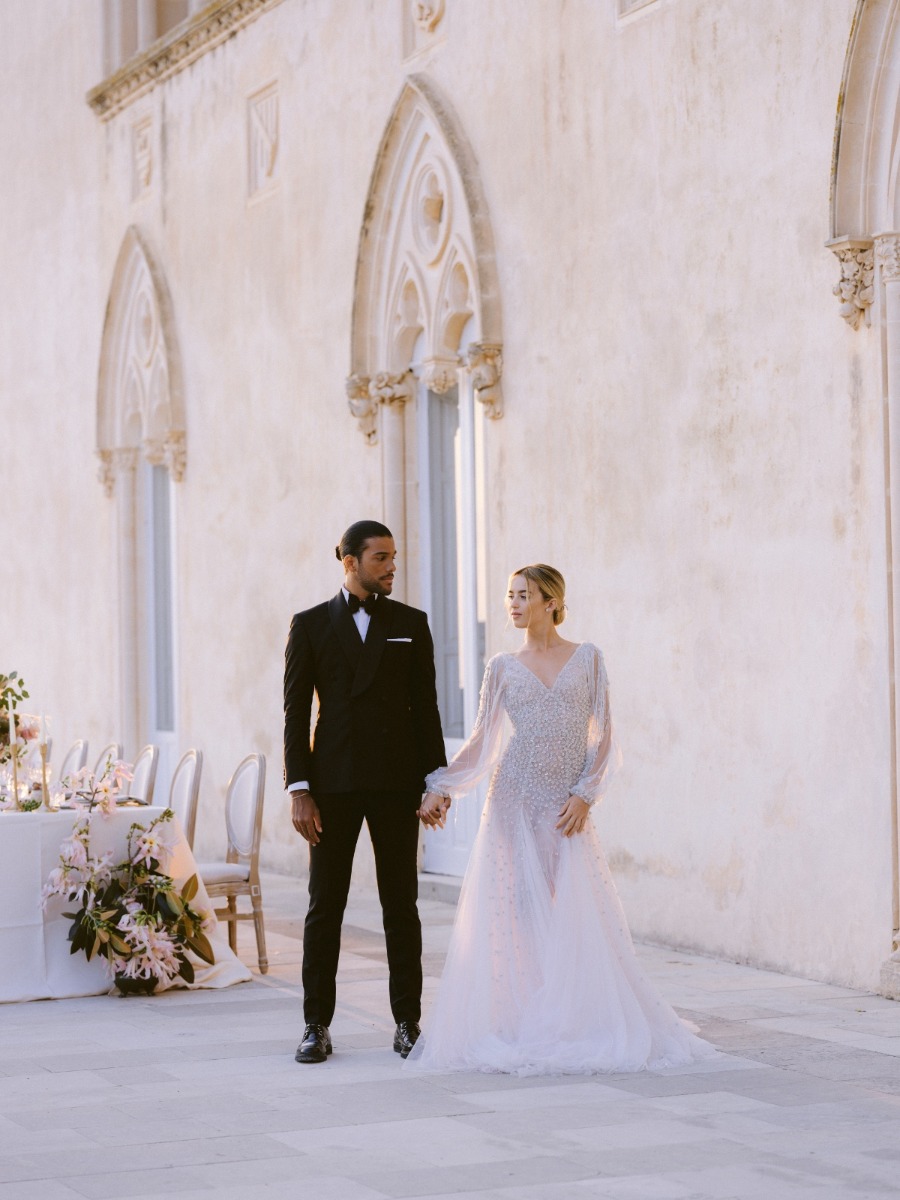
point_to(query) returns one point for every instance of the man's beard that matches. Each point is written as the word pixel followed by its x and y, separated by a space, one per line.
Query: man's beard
pixel 372 585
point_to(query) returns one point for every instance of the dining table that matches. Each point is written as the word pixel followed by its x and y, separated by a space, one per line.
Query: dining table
pixel 35 958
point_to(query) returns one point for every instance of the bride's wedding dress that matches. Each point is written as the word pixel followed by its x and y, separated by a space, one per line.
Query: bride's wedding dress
pixel 541 975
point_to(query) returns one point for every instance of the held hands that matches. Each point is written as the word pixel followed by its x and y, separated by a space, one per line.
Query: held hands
pixel 432 812
pixel 573 816
pixel 305 816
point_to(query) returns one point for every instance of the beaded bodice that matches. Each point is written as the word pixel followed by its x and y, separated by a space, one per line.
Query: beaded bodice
pixel 545 754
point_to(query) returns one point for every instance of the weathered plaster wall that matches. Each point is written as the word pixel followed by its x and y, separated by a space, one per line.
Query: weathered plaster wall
pixel 691 434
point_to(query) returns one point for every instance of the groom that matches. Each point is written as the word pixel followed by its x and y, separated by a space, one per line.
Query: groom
pixel 370 661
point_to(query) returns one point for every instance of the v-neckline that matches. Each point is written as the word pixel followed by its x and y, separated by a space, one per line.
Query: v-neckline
pixel 547 688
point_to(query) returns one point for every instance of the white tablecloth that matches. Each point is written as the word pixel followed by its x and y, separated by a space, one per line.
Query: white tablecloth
pixel 35 963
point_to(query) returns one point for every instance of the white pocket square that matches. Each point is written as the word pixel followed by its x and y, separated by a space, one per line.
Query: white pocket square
pixel 398 639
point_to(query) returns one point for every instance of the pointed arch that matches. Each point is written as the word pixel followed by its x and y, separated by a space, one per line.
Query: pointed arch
pixel 864 165
pixel 139 396
pixel 425 213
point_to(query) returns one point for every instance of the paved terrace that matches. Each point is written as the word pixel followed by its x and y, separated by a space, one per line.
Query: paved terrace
pixel 194 1095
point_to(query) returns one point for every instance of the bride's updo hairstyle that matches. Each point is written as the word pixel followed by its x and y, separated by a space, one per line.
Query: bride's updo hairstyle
pixel 549 583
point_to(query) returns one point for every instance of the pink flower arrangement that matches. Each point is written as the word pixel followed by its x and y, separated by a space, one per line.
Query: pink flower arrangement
pixel 131 913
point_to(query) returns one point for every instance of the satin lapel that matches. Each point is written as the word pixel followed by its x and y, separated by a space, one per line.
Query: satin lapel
pixel 373 646
pixel 345 628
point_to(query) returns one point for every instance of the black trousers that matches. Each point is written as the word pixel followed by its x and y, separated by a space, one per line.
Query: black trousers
pixel 394 830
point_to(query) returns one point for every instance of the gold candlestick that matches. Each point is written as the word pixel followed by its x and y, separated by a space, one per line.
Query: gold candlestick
pixel 45 791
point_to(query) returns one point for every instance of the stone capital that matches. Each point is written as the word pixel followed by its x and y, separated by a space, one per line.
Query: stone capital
pixel 855 289
pixel 439 375
pixel 485 364
pixel 168 452
pixel 887 255
pixel 362 406
pixel 113 463
pixel 388 389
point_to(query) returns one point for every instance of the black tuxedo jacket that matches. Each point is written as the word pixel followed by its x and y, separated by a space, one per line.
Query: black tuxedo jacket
pixel 378 726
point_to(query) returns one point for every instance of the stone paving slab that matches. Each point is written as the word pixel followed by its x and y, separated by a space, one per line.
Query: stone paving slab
pixel 195 1094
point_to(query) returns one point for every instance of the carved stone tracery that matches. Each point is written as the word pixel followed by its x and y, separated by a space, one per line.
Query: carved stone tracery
pixel 139 407
pixel 426 276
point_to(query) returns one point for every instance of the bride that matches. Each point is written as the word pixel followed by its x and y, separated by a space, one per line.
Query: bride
pixel 541 975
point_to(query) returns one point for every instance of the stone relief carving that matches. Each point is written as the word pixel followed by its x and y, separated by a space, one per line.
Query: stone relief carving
pixel 432 213
pixel 262 140
pixel 168 451
pixel 363 407
pixel 365 395
pixel 113 463
pixel 855 288
pixel 212 25
pixel 485 362
pixel 390 389
pixel 141 158
pixel 887 252
pixel 439 375
pixel 427 14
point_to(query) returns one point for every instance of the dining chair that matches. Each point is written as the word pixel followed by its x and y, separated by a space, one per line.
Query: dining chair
pixel 74 760
pixel 238 875
pixel 113 751
pixel 141 787
pixel 184 790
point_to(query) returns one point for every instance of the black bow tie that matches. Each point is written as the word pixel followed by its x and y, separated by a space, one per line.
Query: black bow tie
pixel 355 604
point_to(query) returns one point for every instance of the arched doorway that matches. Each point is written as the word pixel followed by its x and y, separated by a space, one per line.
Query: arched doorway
pixel 425 377
pixel 140 443
pixel 865 237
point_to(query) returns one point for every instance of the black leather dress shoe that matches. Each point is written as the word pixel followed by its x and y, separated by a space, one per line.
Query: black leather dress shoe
pixel 406 1036
pixel 316 1044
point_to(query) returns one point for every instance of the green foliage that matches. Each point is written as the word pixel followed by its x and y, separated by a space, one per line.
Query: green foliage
pixel 12 689
pixel 134 916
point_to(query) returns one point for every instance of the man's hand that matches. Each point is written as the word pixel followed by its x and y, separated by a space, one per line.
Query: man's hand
pixel 305 816
pixel 573 816
pixel 432 812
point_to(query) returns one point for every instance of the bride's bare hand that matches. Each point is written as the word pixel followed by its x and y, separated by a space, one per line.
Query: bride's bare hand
pixel 433 810
pixel 573 816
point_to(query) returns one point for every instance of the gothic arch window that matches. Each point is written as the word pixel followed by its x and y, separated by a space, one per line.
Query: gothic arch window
pixel 140 443
pixel 865 237
pixel 425 376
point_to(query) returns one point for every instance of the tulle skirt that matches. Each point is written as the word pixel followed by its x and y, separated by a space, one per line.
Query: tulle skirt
pixel 541 975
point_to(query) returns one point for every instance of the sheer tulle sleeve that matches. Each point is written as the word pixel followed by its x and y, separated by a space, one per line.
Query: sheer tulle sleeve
pixel 603 756
pixel 477 756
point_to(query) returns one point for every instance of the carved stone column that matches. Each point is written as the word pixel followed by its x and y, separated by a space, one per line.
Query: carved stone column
pixel 468 539
pixel 855 289
pixel 123 464
pixel 392 392
pixel 887 262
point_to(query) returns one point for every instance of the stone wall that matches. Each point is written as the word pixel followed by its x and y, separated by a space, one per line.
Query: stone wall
pixel 691 433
